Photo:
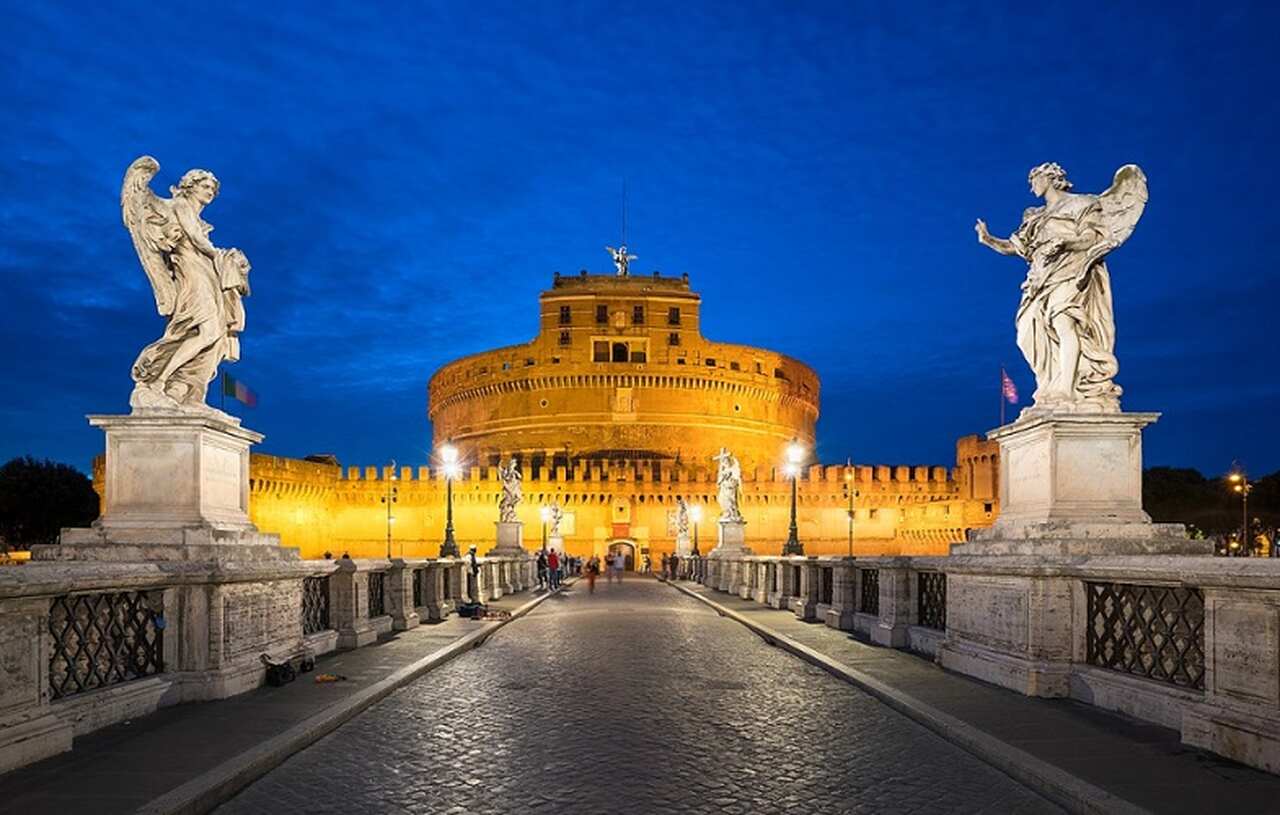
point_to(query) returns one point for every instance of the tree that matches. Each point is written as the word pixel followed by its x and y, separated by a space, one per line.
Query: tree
pixel 39 498
pixel 1185 496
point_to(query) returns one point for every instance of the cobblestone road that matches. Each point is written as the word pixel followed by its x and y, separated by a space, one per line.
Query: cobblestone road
pixel 634 699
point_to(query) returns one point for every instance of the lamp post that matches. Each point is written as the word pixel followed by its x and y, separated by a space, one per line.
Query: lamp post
pixel 449 457
pixel 545 514
pixel 695 515
pixel 1240 483
pixel 795 455
pixel 848 486
pixel 390 498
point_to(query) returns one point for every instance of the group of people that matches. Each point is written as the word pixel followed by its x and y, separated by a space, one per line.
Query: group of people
pixel 613 566
pixel 552 568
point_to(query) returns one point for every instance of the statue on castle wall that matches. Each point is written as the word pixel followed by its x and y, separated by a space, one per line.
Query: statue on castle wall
pixel 729 486
pixel 682 518
pixel 557 515
pixel 1065 321
pixel 512 494
pixel 198 287
pixel 621 259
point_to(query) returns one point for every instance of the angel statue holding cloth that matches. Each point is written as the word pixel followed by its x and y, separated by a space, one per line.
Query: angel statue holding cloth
pixel 1065 321
pixel 197 286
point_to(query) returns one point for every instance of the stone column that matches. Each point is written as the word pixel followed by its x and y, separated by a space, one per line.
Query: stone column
pixel 764 579
pixel 349 605
pixel 399 597
pixel 896 612
pixel 29 731
pixel 747 580
pixel 843 595
pixel 805 603
pixel 785 584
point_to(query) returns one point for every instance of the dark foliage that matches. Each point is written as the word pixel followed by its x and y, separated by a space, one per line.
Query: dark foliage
pixel 1176 495
pixel 39 498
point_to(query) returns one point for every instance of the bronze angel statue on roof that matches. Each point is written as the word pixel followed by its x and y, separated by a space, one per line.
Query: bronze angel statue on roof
pixel 1065 322
pixel 198 287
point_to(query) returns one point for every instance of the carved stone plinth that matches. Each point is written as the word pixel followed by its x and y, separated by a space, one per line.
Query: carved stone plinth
pixel 733 540
pixel 1071 484
pixel 684 547
pixel 510 539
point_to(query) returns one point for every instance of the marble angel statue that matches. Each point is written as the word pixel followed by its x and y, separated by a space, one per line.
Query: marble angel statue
pixel 512 494
pixel 198 287
pixel 557 515
pixel 682 519
pixel 1065 321
pixel 729 486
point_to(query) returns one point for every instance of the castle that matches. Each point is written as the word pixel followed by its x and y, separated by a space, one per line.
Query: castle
pixel 614 410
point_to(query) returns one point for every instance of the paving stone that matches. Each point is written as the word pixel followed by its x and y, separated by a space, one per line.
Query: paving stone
pixel 634 699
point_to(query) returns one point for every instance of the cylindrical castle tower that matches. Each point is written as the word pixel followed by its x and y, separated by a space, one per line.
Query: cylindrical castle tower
pixel 619 370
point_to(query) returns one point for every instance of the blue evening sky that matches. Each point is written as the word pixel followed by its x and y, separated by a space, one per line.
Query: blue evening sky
pixel 405 179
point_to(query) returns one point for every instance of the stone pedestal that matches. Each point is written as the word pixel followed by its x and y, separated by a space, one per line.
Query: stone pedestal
pixel 684 547
pixel 510 537
pixel 1071 484
pixel 732 541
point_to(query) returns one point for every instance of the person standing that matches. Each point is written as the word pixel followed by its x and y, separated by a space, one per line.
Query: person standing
pixel 674 563
pixel 553 569
pixel 666 562
pixel 592 571
pixel 620 565
pixel 542 571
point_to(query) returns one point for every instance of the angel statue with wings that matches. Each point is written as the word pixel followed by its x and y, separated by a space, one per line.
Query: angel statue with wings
pixel 621 259
pixel 1065 322
pixel 512 495
pixel 728 486
pixel 198 288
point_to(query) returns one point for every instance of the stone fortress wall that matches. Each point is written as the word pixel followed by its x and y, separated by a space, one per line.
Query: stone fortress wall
pixel 908 510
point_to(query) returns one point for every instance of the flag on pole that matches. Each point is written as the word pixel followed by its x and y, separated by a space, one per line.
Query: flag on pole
pixel 238 390
pixel 1007 387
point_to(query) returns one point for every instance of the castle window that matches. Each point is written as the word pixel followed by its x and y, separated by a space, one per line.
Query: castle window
pixel 639 355
pixel 555 360
pixel 759 368
pixel 602 314
pixel 710 361
pixel 565 317
pixel 637 315
pixel 673 316
pixel 564 338
pixel 733 366
pixel 529 362
pixel 778 374
pixel 987 508
pixel 680 361
pixel 506 366
pixel 620 353
pixel 673 338
pixel 599 351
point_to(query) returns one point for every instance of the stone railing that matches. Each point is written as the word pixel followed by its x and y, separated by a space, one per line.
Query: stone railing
pixel 1188 642
pixel 85 644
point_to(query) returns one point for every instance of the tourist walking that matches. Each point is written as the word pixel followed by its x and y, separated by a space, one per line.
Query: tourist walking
pixel 542 571
pixel 674 563
pixel 553 569
pixel 592 571
pixel 620 565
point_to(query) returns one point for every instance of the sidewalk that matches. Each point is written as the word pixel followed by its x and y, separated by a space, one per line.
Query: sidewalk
pixel 1082 757
pixel 190 758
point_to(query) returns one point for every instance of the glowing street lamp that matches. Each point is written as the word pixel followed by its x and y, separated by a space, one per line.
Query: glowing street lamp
pixel 390 498
pixel 1240 483
pixel 545 514
pixel 795 457
pixel 452 469
pixel 695 515
pixel 848 487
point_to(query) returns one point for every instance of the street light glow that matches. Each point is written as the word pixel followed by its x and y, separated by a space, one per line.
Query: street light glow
pixel 695 512
pixel 795 453
pixel 545 512
pixel 449 455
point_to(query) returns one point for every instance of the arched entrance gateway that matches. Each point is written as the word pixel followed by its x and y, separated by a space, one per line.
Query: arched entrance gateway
pixel 627 548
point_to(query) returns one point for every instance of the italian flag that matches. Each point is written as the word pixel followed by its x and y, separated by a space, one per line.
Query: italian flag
pixel 238 390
